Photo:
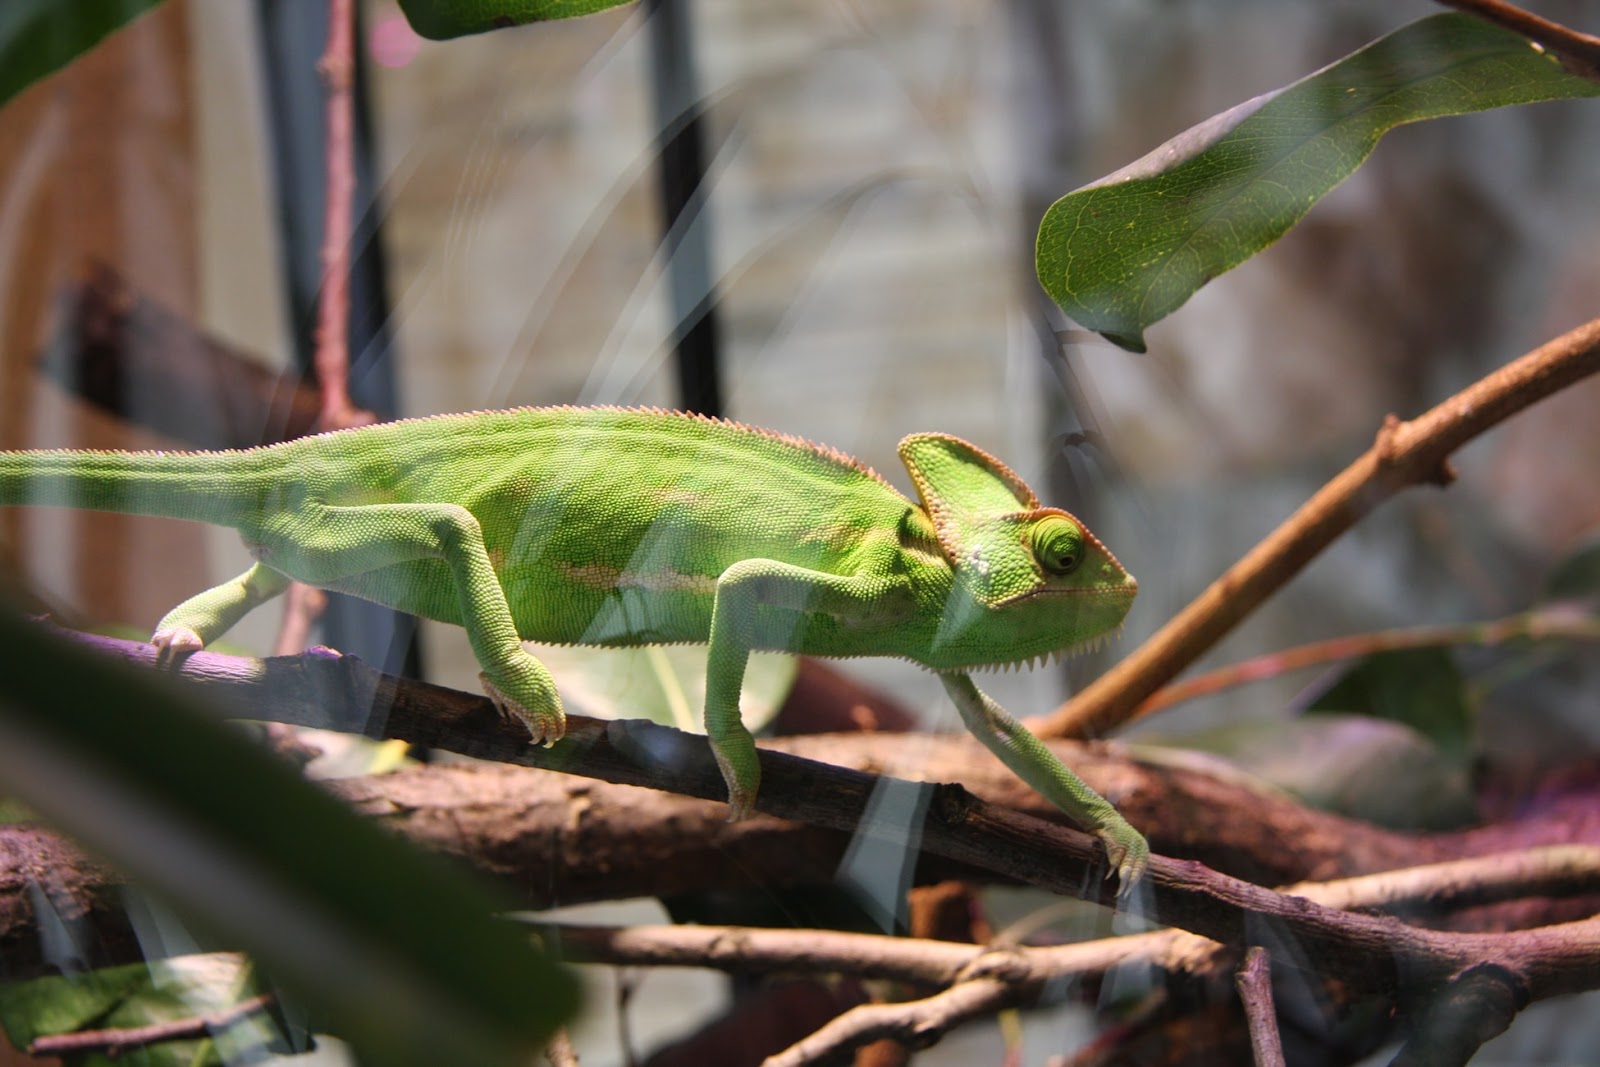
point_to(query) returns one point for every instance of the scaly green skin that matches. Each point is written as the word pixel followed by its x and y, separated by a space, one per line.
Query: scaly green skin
pixel 610 526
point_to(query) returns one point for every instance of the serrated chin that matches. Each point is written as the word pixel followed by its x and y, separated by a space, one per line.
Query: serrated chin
pixel 1087 645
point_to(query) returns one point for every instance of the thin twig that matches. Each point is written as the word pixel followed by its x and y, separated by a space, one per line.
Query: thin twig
pixel 746 950
pixel 332 357
pixel 982 980
pixel 914 1023
pixel 1559 622
pixel 113 1042
pixel 303 606
pixel 1254 980
pixel 1405 454
pixel 1579 52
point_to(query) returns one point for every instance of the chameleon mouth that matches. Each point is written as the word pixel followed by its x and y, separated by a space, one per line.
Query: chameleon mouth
pixel 1057 655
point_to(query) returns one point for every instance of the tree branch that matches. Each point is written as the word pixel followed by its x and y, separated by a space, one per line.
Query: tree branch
pixel 914 1023
pixel 1553 622
pixel 1368 952
pixel 1254 980
pixel 1579 52
pixel 1024 973
pixel 1404 454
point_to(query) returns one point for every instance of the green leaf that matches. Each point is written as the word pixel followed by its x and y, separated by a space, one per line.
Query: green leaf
pixel 1380 772
pixel 1126 251
pixel 1577 576
pixel 39 37
pixel 138 995
pixel 663 683
pixel 1420 688
pixel 398 953
pixel 442 19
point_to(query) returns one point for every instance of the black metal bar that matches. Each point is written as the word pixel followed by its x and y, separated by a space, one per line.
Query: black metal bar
pixel 686 223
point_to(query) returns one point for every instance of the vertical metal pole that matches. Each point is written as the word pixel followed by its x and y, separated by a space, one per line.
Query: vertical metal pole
pixel 686 224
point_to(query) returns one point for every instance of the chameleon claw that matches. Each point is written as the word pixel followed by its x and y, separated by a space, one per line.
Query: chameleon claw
pixel 173 643
pixel 544 728
pixel 1128 854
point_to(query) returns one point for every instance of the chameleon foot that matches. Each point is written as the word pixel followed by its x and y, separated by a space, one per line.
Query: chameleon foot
pixel 743 775
pixel 1128 853
pixel 545 726
pixel 173 643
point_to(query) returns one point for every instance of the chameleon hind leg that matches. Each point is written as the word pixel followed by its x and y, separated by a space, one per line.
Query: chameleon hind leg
pixel 206 616
pixel 1030 760
pixel 330 543
pixel 743 590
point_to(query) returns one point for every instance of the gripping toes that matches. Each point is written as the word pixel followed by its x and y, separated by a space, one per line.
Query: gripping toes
pixel 172 643
pixel 1128 853
pixel 524 691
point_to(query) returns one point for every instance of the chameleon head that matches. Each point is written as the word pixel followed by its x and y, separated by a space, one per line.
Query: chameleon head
pixel 1028 581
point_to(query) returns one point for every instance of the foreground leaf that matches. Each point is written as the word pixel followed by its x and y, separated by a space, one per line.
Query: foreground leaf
pixel 39 37
pixel 441 19
pixel 1130 249
pixel 399 954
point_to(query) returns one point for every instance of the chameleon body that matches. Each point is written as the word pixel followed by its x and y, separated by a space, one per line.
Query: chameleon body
pixel 617 527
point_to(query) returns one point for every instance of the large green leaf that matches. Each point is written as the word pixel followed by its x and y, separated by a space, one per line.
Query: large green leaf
pixel 441 19
pixel 39 37
pixel 401 954
pixel 1129 249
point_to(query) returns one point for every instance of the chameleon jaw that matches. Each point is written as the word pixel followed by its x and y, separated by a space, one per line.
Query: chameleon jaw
pixel 1044 659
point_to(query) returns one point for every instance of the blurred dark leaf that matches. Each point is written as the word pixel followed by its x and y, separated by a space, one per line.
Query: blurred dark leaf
pixel 1420 688
pixel 398 953
pixel 1577 576
pixel 1381 772
pixel 39 37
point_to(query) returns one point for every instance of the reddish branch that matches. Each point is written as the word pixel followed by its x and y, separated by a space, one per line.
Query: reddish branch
pixel 333 311
pixel 1560 622
pixel 1405 454
pixel 1579 52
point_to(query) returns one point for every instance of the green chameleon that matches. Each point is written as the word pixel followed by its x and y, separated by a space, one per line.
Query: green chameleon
pixel 613 526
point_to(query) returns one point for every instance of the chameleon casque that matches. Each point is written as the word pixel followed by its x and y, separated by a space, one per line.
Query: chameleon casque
pixel 617 527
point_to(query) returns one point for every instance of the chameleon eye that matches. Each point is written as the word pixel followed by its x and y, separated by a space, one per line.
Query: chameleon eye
pixel 1058 545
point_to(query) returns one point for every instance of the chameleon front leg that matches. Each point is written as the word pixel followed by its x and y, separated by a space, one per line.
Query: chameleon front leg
pixel 206 616
pixel 341 542
pixel 742 590
pixel 1035 764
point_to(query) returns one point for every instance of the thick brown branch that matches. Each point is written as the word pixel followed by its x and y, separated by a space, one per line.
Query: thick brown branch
pixel 1405 454
pixel 1368 952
